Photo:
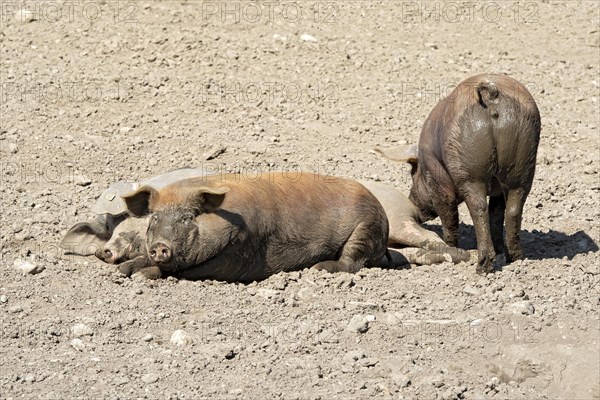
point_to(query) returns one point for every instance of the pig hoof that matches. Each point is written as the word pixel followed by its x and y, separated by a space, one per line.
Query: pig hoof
pixel 126 269
pixel 143 274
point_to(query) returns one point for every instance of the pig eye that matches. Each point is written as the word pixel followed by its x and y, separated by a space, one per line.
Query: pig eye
pixel 154 219
pixel 186 219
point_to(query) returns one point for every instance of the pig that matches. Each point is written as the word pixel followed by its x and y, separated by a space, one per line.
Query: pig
pixel 479 141
pixel 116 238
pixel 419 245
pixel 112 236
pixel 234 229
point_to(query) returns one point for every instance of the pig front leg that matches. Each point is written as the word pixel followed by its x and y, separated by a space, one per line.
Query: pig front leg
pixel 446 206
pixel 130 267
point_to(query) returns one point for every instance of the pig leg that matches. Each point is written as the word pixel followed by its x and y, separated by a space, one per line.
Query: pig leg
pixel 358 250
pixel 497 208
pixel 409 233
pixel 515 200
pixel 446 206
pixel 130 267
pixel 476 200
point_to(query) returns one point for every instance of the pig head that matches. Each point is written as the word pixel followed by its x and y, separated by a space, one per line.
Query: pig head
pixel 235 229
pixel 480 141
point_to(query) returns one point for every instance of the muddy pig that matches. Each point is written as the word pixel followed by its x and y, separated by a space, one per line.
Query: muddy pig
pixel 112 235
pixel 479 141
pixel 238 229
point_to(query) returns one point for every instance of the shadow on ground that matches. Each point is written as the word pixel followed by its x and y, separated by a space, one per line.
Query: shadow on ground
pixel 537 245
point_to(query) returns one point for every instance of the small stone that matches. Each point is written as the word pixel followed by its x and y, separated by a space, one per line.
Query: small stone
pixel 28 268
pixel 29 378
pixel 79 330
pixel 279 38
pixel 15 309
pixel 13 148
pixel 148 337
pixel 214 152
pixel 150 378
pixel 3 299
pixel 77 344
pixel 522 307
pixel 266 293
pixel 468 289
pixel 358 323
pixel 308 38
pixel 124 130
pixel 180 338
pixel 121 380
pixel 400 380
pixel 82 180
pixel 306 294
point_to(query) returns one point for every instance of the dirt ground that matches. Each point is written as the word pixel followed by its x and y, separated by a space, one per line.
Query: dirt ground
pixel 97 92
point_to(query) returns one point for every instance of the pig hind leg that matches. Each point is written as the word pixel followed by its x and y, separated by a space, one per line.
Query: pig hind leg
pixel 496 211
pixel 476 199
pixel 515 200
pixel 364 247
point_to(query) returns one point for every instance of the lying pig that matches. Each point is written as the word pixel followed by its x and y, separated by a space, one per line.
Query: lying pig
pixel 234 229
pixel 124 241
pixel 413 242
pixel 479 141
pixel 112 236
pixel 409 242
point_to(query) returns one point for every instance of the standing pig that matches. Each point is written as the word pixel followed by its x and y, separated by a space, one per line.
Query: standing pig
pixel 479 141
pixel 235 229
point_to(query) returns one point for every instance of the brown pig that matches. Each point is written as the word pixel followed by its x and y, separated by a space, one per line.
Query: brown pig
pixel 479 141
pixel 235 229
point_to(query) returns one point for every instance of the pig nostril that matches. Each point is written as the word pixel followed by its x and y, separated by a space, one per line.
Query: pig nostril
pixel 153 253
pixel 165 253
pixel 107 253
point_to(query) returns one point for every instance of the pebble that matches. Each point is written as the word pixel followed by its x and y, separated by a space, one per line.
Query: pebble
pixel 522 307
pixel 308 38
pixel 266 293
pixel 3 299
pixel 29 378
pixel 358 323
pixel 150 378
pixel 214 152
pixel 13 148
pixel 180 338
pixel 306 294
pixel 400 380
pixel 28 268
pixel 470 290
pixel 82 180
pixel 77 344
pixel 79 330
pixel 15 309
pixel 121 380
pixel 148 337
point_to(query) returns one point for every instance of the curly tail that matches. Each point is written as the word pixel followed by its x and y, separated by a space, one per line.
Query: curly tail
pixel 488 94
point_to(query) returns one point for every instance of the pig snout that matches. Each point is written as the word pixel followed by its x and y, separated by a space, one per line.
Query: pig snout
pixel 160 253
pixel 107 255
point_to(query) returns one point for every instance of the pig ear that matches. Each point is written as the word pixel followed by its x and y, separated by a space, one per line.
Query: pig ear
pixel 403 153
pixel 209 199
pixel 85 238
pixel 138 202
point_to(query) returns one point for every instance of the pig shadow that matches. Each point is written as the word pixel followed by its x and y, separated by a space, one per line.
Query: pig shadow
pixel 536 245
